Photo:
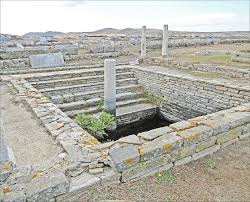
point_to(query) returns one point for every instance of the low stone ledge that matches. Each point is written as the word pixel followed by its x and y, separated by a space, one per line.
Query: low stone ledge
pixel 14 197
pixel 125 157
pixel 78 186
pixel 160 146
pixel 155 133
pixel 231 134
pixel 206 152
pixel 147 168
pixel 46 187
pixel 183 161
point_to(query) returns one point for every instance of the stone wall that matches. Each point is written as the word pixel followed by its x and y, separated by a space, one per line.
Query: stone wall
pixel 182 142
pixel 234 72
pixel 156 44
pixel 129 158
pixel 187 97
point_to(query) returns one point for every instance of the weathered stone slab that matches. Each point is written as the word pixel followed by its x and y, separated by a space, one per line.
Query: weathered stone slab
pixel 208 143
pixel 231 134
pixel 131 139
pixel 109 176
pixel 183 161
pixel 206 152
pixel 183 125
pixel 124 157
pixel 14 197
pixel 147 168
pixel 83 182
pixel 196 134
pixel 45 187
pixel 183 152
pixel 68 49
pixel 5 170
pixel 230 142
pixel 152 134
pixel 46 60
pixel 161 146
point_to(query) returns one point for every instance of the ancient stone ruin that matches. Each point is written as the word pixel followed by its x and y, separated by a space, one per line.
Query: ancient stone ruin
pixel 168 108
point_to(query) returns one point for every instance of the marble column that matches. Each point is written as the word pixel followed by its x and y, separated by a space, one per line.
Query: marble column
pixel 165 41
pixel 143 42
pixel 110 87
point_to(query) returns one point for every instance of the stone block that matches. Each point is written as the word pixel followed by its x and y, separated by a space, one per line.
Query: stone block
pixel 246 129
pixel 14 197
pixel 244 136
pixel 183 152
pixel 153 134
pixel 229 142
pixel 206 152
pixel 95 171
pixel 124 157
pixel 75 152
pixel 183 125
pixel 147 168
pixel 131 139
pixel 183 161
pixel 22 174
pixel 109 176
pixel 5 170
pixel 205 144
pixel 231 134
pixel 196 134
pixel 46 60
pixel 160 146
pixel 82 183
pixel 67 49
pixel 43 188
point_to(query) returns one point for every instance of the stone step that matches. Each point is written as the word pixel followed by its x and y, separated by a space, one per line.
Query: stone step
pixel 71 74
pixel 94 110
pixel 70 66
pixel 77 80
pixel 85 87
pixel 72 97
pixel 96 101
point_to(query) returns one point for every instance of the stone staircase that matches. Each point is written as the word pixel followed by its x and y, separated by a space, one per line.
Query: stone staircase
pixel 82 90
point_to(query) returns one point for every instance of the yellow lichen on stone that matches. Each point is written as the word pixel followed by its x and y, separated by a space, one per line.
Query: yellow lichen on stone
pixel 130 161
pixel 91 141
pixel 141 151
pixel 104 157
pixel 191 125
pixel 37 174
pixel 7 190
pixel 168 146
pixel 6 167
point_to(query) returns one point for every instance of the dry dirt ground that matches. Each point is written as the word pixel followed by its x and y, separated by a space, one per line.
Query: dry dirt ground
pixel 29 141
pixel 224 176
pixel 188 54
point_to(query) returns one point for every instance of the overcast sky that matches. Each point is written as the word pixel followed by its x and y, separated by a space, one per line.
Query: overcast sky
pixel 19 17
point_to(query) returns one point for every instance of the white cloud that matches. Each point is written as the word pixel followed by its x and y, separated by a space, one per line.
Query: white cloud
pixel 19 17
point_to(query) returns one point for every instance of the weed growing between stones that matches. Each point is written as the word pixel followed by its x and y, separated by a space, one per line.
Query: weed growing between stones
pixel 96 125
pixel 156 100
pixel 100 106
pixel 165 177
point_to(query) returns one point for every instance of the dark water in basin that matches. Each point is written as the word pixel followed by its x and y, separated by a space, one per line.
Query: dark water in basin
pixel 154 122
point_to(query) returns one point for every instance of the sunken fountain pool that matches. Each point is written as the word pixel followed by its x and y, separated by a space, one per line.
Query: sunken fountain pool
pixel 134 128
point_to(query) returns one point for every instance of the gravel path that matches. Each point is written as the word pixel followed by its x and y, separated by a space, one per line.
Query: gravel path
pixel 30 142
